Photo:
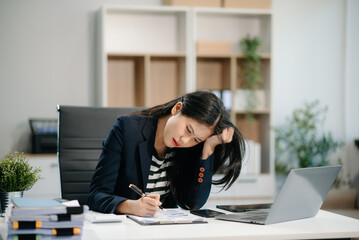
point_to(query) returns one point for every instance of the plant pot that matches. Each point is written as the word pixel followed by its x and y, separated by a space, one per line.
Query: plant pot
pixel 5 199
pixel 243 98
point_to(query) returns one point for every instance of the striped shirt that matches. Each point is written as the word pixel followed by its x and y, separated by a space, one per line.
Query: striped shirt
pixel 157 179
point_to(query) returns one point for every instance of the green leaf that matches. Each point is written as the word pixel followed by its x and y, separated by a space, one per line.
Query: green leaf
pixel 16 174
pixel 302 139
pixel 252 72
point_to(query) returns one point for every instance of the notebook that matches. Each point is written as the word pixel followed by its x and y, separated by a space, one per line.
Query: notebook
pixel 301 196
pixel 44 237
pixel 48 218
pixel 170 216
pixel 33 206
pixel 37 224
pixel 46 231
pixel 34 202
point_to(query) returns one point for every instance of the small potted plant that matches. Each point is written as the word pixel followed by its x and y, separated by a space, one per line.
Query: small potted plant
pixel 16 176
pixel 251 74
pixel 301 143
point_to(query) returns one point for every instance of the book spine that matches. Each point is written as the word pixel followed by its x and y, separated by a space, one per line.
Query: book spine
pixel 62 217
pixel 66 217
pixel 26 224
pixel 26 237
pixel 66 231
pixel 75 210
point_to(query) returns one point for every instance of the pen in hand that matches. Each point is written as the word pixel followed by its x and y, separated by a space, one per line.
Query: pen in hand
pixel 139 192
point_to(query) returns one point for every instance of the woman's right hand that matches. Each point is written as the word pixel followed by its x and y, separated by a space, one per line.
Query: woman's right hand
pixel 209 145
pixel 143 207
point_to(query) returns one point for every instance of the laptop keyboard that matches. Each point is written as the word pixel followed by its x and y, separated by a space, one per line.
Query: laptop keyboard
pixel 259 215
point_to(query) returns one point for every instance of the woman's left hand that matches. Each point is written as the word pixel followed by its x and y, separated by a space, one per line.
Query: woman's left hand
pixel 225 137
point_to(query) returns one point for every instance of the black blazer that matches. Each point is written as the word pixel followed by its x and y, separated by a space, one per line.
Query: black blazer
pixel 126 158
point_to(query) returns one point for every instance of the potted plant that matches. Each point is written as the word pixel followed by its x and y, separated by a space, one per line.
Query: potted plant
pixel 301 142
pixel 251 72
pixel 16 176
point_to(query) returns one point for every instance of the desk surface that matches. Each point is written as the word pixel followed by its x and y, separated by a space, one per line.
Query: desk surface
pixel 324 225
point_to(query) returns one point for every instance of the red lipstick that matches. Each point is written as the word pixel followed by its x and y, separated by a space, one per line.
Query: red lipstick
pixel 175 143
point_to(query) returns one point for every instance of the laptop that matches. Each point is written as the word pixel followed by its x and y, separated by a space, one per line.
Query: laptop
pixel 301 196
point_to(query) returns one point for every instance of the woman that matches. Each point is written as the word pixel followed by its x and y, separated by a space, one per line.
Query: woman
pixel 169 151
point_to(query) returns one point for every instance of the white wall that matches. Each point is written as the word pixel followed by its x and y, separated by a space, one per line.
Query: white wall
pixel 352 71
pixel 47 57
pixel 308 53
pixel 315 52
pixel 351 90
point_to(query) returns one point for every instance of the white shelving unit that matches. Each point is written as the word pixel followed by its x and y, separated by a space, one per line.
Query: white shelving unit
pixel 49 186
pixel 150 46
pixel 149 56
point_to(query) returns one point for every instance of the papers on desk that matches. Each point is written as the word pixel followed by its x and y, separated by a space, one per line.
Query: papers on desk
pixel 171 216
pixel 96 217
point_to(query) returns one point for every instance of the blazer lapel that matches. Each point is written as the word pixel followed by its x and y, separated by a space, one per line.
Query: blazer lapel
pixel 146 149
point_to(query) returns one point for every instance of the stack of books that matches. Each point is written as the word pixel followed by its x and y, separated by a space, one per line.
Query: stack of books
pixel 252 159
pixel 30 218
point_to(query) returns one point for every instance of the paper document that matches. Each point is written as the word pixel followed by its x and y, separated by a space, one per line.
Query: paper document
pixel 171 216
pixel 96 217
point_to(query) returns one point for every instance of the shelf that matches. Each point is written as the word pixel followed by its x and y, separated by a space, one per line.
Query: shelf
pixel 257 130
pixel 214 55
pixel 125 81
pixel 38 155
pixel 136 80
pixel 149 56
pixel 120 9
pixel 244 178
pixel 134 54
pixel 232 25
pixel 243 188
pixel 255 112
pixel 213 73
pixel 167 77
pixel 234 11
pixel 263 56
pixel 265 68
pixel 130 29
pixel 49 184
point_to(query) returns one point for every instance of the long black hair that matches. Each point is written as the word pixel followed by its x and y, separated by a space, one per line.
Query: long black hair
pixel 206 108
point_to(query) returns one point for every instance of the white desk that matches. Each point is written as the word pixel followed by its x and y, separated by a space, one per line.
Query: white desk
pixel 325 225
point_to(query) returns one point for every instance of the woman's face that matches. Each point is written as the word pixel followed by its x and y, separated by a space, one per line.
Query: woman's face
pixel 183 132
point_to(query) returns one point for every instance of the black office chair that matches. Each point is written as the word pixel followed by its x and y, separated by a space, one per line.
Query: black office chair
pixel 81 131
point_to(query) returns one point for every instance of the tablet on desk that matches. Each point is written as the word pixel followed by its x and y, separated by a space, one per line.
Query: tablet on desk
pixel 244 208
pixel 208 213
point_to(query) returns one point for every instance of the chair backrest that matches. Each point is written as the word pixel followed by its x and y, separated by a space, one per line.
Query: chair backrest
pixel 81 131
